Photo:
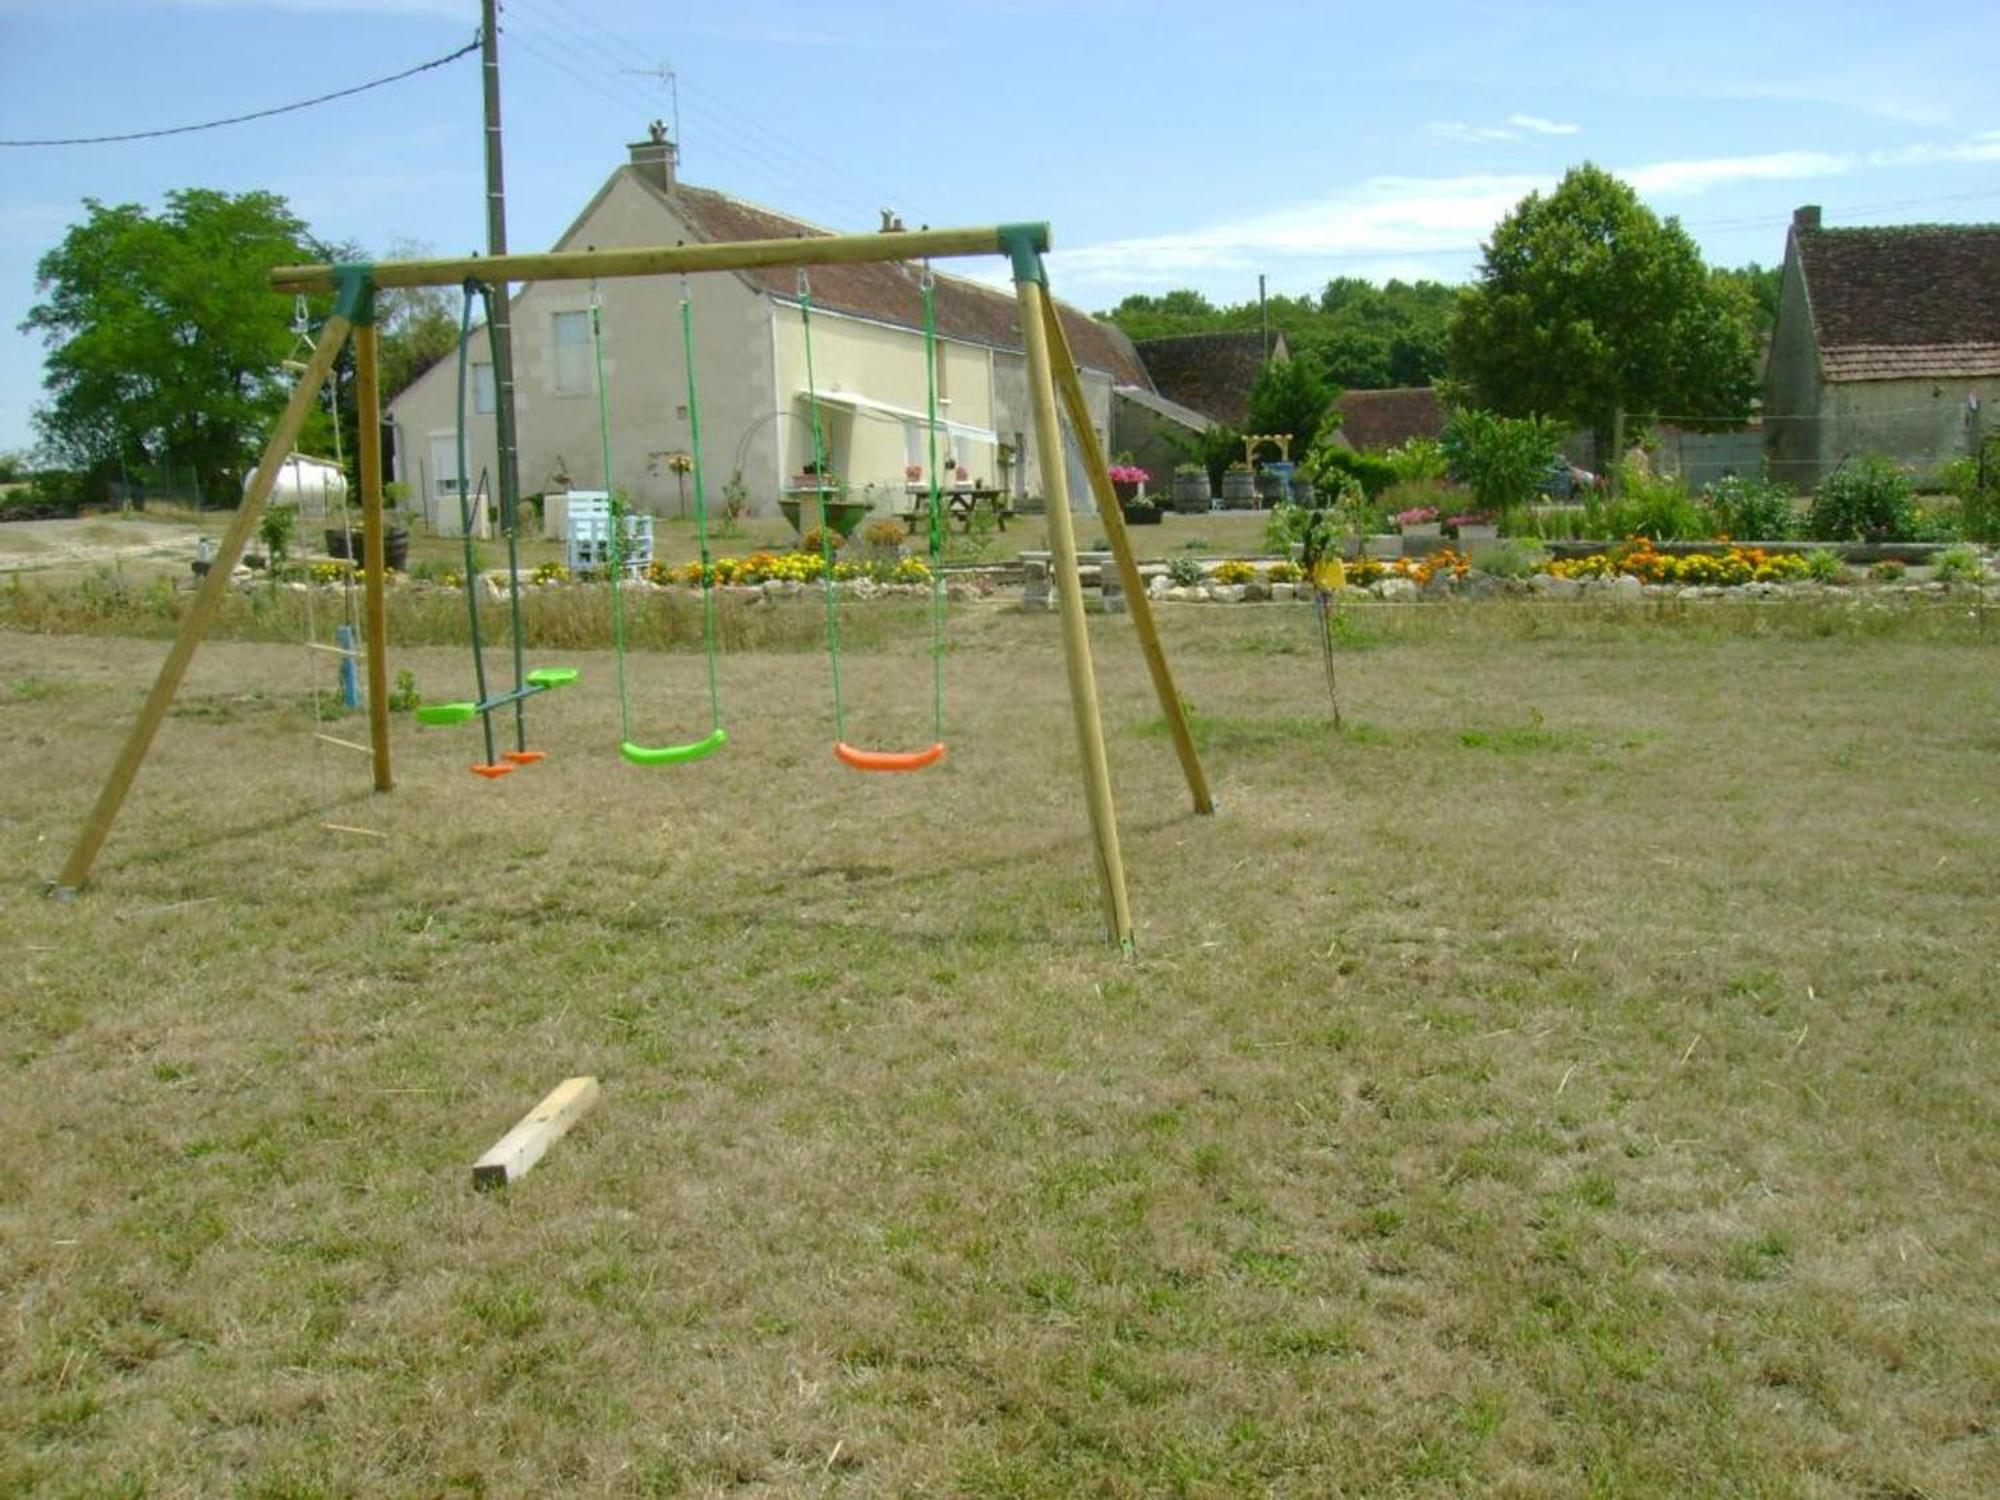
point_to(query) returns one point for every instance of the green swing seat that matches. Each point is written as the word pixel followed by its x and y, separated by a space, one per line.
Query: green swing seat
pixel 673 755
pixel 541 680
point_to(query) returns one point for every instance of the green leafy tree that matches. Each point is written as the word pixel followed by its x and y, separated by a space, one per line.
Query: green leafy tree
pixel 1592 310
pixel 1289 396
pixel 165 338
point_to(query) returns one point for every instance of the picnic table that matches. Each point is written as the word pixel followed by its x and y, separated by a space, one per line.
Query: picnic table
pixel 963 500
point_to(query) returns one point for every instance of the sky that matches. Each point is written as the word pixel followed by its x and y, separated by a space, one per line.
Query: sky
pixel 1168 143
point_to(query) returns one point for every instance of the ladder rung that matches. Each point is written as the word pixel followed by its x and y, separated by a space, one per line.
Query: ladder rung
pixel 345 651
pixel 344 744
pixel 372 833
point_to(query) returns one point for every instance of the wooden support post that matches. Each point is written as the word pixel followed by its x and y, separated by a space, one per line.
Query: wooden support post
pixel 1137 601
pixel 1075 632
pixel 540 1128
pixel 208 599
pixel 375 613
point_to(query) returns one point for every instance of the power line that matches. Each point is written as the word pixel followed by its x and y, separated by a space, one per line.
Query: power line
pixel 260 114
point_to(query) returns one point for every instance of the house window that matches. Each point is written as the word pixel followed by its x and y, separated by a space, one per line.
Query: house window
pixel 483 390
pixel 571 332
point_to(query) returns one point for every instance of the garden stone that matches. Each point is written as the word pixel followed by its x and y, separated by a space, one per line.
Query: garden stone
pixel 1160 587
pixel 1256 592
pixel 957 593
pixel 1561 588
pixel 1625 586
pixel 1283 591
pixel 1226 593
pixel 1396 589
pixel 1481 586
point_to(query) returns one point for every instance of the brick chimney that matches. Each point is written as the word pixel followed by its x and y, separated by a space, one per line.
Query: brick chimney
pixel 655 157
pixel 1806 217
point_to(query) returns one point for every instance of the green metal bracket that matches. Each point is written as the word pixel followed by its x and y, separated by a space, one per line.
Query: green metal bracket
pixel 354 292
pixel 1025 245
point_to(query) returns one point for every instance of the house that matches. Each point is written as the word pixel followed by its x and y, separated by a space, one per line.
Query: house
pixel 1885 340
pixel 1373 420
pixel 750 366
pixel 1210 372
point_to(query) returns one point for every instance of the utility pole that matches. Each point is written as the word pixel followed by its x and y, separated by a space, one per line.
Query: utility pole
pixel 496 244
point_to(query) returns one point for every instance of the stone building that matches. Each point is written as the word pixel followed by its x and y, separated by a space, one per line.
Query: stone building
pixel 1887 342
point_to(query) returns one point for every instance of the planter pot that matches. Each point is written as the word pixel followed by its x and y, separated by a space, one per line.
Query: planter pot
pixel 842 515
pixel 352 546
pixel 1127 490
pixel 1430 531
pixel 1141 515
pixel 1383 546
pixel 1476 536
pixel 1239 490
pixel 1191 494
pixel 1270 485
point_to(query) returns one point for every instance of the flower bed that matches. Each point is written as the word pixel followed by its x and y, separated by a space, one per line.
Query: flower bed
pixel 1729 569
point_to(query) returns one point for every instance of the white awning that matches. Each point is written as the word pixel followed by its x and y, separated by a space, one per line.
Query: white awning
pixel 869 404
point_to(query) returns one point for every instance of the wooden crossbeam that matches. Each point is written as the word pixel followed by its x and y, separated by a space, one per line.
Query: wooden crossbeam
pixel 516 1152
pixel 658 260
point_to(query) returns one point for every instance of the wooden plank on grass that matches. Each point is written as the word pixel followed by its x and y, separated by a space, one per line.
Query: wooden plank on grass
pixel 520 1148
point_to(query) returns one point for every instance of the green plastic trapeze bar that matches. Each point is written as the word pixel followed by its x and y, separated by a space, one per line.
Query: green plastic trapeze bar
pixel 541 680
pixel 673 755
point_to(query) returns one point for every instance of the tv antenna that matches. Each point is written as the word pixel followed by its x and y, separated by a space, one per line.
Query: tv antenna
pixel 662 73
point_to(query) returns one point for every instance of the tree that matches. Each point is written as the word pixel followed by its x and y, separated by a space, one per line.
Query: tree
pixel 1504 459
pixel 165 339
pixel 1590 309
pixel 415 326
pixel 1289 396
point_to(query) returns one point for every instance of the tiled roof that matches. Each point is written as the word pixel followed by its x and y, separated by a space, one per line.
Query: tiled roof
pixel 1914 301
pixel 887 291
pixel 1211 372
pixel 1187 416
pixel 1382 419
pixel 1910 361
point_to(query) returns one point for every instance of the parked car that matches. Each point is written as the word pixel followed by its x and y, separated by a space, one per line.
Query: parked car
pixel 1565 480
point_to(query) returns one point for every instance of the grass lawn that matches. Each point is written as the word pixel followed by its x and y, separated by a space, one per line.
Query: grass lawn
pixel 1576 1078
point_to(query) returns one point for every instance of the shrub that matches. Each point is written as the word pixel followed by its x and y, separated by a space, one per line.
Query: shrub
pixel 1753 509
pixel 1960 564
pixel 1282 572
pixel 1823 565
pixel 1235 572
pixel 1416 459
pixel 1184 572
pixel 885 533
pixel 1888 570
pixel 1868 499
pixel 1326 464
pixel 1502 458
pixel 1656 507
pixel 816 543
pixel 1514 558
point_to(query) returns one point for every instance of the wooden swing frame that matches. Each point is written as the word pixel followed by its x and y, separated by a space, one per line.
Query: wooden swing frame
pixel 1053 385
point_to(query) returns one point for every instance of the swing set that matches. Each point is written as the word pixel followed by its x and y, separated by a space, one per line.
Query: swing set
pixel 1055 395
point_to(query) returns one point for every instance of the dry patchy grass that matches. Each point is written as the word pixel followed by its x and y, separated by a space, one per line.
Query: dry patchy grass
pixel 1575 1079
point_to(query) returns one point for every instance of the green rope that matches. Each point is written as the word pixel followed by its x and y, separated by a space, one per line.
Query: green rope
pixel 510 521
pixel 825 524
pixel 936 514
pixel 616 516
pixel 465 515
pixel 700 509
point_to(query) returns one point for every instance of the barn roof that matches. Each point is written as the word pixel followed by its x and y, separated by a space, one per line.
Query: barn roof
pixel 1211 372
pixel 1920 300
pixel 1383 419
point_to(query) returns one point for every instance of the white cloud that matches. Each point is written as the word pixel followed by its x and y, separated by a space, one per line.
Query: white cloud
pixel 1536 125
pixel 1516 127
pixel 1687 178
pixel 1461 134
